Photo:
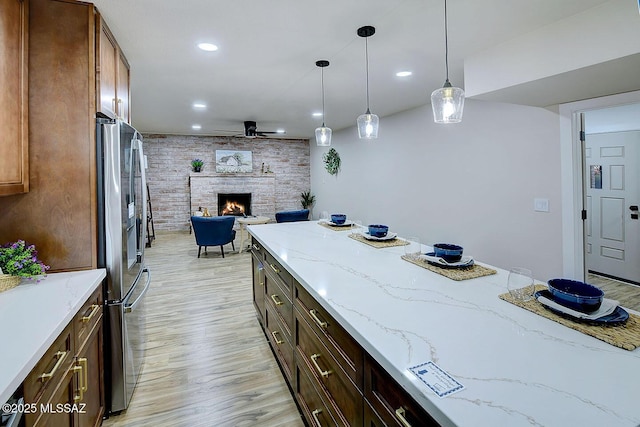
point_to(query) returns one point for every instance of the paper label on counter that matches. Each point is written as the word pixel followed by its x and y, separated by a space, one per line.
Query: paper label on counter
pixel 436 379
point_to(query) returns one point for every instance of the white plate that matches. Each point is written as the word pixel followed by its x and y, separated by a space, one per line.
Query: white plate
pixel 608 306
pixel 389 236
pixel 464 261
pixel 347 223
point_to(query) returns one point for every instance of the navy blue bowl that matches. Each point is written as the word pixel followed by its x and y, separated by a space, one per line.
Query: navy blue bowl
pixel 448 252
pixel 338 218
pixel 576 295
pixel 378 230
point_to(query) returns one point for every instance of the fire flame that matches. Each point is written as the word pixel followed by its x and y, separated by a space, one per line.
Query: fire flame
pixel 233 208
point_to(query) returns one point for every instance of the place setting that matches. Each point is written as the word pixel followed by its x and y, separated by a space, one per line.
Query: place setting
pixel 447 259
pixel 575 304
pixel 378 236
pixel 336 222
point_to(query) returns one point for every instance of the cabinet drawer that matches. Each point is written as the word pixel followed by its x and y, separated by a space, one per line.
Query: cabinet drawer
pixel 278 272
pixel 280 300
pixel 389 400
pixel 88 316
pixel 257 249
pixel 279 340
pixel 48 372
pixel 346 350
pixel 315 411
pixel 328 374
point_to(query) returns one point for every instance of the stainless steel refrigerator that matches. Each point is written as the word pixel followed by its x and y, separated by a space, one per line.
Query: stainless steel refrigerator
pixel 122 220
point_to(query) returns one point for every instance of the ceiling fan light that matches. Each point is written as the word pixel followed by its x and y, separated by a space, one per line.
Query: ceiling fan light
pixel 323 136
pixel 448 104
pixel 368 126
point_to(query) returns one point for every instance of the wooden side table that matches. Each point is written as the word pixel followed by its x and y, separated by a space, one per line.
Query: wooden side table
pixel 244 234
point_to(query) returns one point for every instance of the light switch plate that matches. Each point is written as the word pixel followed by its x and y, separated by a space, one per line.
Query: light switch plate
pixel 541 205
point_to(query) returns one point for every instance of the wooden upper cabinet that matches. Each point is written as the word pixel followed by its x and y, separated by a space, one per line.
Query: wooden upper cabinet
pixel 14 146
pixel 112 71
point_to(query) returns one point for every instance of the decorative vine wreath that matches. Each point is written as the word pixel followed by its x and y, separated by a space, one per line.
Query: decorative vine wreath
pixel 332 161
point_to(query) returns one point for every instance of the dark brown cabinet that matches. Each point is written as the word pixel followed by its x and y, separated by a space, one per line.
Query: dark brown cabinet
pixel 389 401
pixel 59 213
pixel 14 146
pixel 112 70
pixel 334 381
pixel 67 385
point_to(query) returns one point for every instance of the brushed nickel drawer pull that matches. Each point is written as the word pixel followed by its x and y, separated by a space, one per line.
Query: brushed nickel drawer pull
pixel 314 414
pixel 60 355
pixel 400 416
pixel 314 359
pixel 276 300
pixel 274 268
pixel 256 247
pixel 314 316
pixel 275 337
pixel 94 310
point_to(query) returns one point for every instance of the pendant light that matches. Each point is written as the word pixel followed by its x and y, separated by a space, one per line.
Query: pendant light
pixel 367 123
pixel 323 133
pixel 447 102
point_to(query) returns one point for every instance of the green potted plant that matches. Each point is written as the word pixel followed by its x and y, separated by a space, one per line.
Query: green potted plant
pixel 197 165
pixel 307 199
pixel 19 260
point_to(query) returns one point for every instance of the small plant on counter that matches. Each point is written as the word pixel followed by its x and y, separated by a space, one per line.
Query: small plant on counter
pixel 20 259
pixel 197 164
pixel 307 199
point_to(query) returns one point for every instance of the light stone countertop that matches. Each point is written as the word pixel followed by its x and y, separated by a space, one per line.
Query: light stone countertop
pixel 519 369
pixel 32 316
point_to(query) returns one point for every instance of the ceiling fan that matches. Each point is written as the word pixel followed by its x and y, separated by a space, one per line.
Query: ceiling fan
pixel 251 130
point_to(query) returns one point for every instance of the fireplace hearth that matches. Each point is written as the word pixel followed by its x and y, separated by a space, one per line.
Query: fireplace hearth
pixel 236 204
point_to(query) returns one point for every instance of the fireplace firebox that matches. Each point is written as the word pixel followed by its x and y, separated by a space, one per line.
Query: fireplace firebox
pixel 237 204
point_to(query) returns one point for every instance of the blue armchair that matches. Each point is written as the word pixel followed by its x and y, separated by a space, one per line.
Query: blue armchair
pixel 293 216
pixel 213 231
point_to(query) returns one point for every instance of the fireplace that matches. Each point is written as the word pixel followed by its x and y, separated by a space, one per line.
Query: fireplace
pixel 237 204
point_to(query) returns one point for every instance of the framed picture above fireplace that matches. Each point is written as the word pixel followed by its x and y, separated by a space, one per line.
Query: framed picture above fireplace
pixel 234 161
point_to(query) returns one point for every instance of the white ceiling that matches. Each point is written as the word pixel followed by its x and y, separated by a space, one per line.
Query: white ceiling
pixel 265 67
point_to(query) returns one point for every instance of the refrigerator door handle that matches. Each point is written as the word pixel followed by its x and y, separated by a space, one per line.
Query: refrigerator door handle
pixel 129 307
pixel 145 200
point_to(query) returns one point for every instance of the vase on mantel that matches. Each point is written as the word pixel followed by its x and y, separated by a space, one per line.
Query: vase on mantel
pixel 197 169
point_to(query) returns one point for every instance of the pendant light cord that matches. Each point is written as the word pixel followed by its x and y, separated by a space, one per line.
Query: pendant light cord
pixel 366 55
pixel 446 40
pixel 322 80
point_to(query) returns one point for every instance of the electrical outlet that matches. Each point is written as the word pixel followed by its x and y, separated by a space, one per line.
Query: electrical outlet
pixel 541 205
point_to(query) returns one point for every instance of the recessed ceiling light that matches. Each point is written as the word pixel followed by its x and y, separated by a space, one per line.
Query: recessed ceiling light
pixel 209 47
pixel 403 73
pixel 196 127
pixel 317 114
pixel 199 105
pixel 280 131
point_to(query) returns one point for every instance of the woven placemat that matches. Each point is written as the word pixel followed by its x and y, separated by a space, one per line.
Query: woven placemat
pixel 626 336
pixel 465 273
pixel 337 227
pixel 378 243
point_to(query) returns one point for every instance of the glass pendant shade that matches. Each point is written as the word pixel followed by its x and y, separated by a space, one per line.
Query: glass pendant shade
pixel 368 126
pixel 323 136
pixel 448 104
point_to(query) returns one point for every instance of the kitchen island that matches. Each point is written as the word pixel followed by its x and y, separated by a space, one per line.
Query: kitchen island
pixel 517 368
pixel 33 315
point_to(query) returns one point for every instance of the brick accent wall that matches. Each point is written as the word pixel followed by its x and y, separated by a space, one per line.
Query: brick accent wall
pixel 169 167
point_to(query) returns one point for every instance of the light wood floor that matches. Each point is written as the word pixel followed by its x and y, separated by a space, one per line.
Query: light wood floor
pixel 208 362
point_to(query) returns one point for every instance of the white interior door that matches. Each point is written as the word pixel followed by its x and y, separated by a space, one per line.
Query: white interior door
pixel 613 196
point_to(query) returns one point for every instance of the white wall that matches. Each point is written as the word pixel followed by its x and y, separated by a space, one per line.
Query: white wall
pixel 471 183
